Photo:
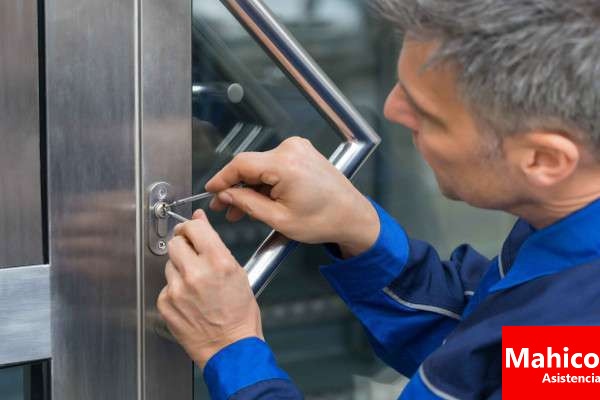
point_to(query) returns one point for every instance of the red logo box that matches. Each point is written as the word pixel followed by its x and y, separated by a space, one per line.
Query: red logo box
pixel 551 362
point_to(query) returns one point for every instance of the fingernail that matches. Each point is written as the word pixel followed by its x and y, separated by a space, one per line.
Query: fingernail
pixel 199 214
pixel 225 198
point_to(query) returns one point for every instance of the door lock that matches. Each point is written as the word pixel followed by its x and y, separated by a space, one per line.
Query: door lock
pixel 160 210
pixel 159 196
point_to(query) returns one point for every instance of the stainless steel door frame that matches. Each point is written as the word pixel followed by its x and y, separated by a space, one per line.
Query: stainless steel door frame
pixel 93 139
pixel 119 118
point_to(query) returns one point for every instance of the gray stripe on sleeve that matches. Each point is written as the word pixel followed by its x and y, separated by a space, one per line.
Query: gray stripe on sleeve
pixel 431 387
pixel 422 307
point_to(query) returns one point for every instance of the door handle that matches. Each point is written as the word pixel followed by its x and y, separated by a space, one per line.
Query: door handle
pixel 359 139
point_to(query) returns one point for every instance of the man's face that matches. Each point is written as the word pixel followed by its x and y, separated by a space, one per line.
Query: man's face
pixel 468 164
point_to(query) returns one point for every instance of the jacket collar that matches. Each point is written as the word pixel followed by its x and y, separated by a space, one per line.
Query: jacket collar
pixel 528 253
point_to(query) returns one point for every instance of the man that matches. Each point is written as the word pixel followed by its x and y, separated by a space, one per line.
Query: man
pixel 503 98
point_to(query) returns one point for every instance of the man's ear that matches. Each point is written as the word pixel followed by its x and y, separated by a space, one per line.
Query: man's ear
pixel 544 158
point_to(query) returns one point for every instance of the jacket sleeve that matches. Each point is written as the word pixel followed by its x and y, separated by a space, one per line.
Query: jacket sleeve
pixel 247 370
pixel 407 299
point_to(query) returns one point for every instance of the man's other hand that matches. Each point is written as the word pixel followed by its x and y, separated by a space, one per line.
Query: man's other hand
pixel 298 192
pixel 207 303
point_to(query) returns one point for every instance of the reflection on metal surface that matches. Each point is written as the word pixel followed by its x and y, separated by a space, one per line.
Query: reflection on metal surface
pixel 91 79
pixel 360 139
pixel 166 140
pixel 24 314
pixel 21 221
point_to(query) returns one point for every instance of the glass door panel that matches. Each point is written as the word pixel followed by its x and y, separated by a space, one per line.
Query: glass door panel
pixel 26 382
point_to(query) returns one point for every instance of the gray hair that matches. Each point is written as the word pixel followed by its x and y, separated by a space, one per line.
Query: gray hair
pixel 525 64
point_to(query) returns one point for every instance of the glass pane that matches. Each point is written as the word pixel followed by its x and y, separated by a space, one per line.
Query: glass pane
pixel 315 338
pixel 25 382
pixel 241 102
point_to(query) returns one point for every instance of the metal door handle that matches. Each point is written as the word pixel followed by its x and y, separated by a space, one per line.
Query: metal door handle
pixel 359 138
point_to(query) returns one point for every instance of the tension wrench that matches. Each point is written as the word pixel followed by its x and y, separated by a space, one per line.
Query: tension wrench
pixel 176 216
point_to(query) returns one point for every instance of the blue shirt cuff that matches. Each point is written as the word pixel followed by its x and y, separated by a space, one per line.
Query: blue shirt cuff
pixel 373 270
pixel 239 365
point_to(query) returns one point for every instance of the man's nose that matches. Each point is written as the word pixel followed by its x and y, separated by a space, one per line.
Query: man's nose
pixel 388 106
pixel 398 111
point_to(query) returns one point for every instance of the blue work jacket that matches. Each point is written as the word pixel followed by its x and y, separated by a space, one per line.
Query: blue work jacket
pixel 440 322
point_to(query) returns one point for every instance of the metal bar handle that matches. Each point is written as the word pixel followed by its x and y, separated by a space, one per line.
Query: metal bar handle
pixel 359 138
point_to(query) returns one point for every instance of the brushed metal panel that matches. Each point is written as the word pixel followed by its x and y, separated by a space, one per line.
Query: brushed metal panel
pixel 92 135
pixel 24 314
pixel 20 197
pixel 166 156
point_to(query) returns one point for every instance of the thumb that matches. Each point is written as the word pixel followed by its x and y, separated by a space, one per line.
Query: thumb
pixel 255 205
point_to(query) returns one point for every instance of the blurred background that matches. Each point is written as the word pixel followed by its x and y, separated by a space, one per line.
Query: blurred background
pixel 315 338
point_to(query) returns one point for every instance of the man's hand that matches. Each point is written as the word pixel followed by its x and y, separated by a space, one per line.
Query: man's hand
pixel 297 192
pixel 207 303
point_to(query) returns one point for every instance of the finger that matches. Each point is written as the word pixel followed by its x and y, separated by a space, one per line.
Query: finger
pixel 176 292
pixel 177 228
pixel 202 236
pixel 257 205
pixel 249 168
pixel 182 254
pixel 234 214
pixel 200 214
pixel 217 205
pixel 173 319
pixel 172 275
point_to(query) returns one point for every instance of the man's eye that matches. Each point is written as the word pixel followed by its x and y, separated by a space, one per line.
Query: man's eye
pixel 420 115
